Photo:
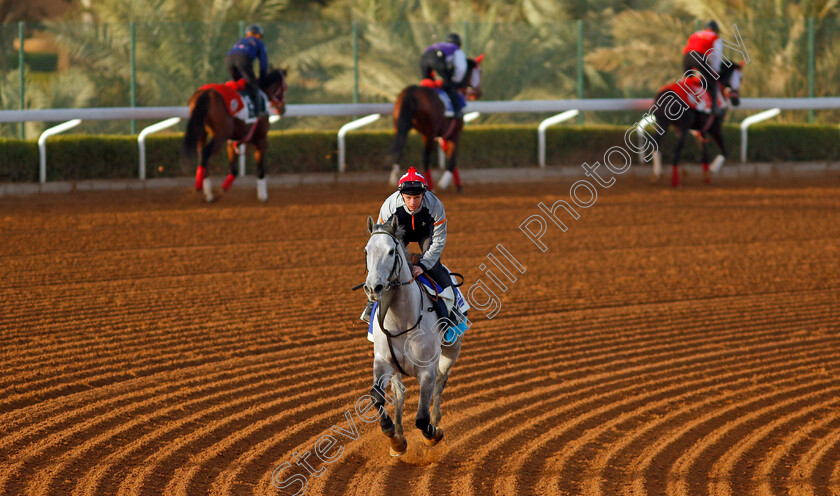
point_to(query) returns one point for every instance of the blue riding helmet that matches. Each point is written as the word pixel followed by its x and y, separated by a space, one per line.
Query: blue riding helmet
pixel 713 26
pixel 254 28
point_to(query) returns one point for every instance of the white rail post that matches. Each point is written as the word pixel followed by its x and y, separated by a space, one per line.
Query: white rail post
pixel 243 148
pixel 364 121
pixel 749 121
pixel 545 125
pixel 42 145
pixel 442 156
pixel 141 140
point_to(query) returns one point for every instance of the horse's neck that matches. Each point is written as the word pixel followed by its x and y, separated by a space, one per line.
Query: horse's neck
pixel 405 306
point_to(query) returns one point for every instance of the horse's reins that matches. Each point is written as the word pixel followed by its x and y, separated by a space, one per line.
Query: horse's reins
pixel 394 283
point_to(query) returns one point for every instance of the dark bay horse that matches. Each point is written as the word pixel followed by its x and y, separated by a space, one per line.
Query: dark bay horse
pixel 420 108
pixel 211 126
pixel 685 117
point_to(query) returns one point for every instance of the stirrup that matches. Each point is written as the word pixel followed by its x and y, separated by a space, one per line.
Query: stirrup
pixel 365 317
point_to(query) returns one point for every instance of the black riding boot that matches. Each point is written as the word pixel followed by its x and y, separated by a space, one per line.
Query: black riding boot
pixel 455 97
pixel 255 99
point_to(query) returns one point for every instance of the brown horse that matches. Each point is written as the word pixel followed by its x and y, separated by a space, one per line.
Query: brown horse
pixel 209 118
pixel 420 108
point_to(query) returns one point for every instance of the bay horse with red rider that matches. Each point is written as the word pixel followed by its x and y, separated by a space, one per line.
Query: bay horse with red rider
pixel 212 125
pixel 686 105
pixel 421 108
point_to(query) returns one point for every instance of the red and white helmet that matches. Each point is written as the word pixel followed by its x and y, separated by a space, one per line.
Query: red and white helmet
pixel 412 183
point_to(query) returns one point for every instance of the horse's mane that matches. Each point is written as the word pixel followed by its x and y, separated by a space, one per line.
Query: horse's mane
pixel 273 76
pixel 398 233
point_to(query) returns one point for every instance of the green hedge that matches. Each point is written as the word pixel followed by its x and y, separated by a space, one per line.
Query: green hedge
pixel 97 157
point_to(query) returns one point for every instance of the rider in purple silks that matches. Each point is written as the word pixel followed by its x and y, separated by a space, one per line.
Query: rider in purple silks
pixel 449 62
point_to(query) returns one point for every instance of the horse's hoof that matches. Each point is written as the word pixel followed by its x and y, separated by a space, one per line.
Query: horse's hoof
pixel 436 439
pixel 654 179
pixel 707 178
pixel 398 445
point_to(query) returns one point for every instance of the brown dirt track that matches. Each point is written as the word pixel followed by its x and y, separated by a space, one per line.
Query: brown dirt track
pixel 671 342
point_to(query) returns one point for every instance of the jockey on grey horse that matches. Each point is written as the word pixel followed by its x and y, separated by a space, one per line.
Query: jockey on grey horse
pixel 408 340
pixel 422 219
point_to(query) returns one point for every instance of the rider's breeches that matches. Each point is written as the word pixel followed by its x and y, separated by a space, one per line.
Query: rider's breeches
pixel 429 62
pixel 241 67
pixel 436 272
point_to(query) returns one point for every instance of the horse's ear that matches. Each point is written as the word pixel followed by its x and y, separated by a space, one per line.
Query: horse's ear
pixel 395 224
pixel 479 59
pixel 370 224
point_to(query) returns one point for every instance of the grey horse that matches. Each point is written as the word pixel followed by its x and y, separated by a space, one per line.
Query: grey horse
pixel 407 338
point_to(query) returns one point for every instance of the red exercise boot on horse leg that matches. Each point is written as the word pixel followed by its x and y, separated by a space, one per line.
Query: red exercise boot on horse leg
pixel 421 108
pixel 213 125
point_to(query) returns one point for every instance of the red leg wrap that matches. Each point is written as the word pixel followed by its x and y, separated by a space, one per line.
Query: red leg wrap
pixel 456 176
pixel 200 174
pixel 228 182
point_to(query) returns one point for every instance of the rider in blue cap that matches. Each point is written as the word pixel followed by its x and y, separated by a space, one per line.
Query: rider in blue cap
pixel 240 63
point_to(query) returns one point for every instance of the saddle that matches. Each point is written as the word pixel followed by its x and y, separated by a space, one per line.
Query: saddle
pixel 450 301
pixel 690 90
pixel 238 104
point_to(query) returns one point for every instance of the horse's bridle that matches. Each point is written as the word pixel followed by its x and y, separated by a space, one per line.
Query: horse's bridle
pixel 279 101
pixel 393 282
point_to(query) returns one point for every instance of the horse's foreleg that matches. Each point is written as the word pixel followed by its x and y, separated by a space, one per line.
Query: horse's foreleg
pixel 382 373
pixel 449 353
pixel 675 170
pixel 657 156
pixel 704 155
pixel 423 421
pixel 451 171
pixel 232 152
pixel 428 149
pixel 259 155
pixel 398 390
pixel 717 133
pixel 440 383
pixel 206 184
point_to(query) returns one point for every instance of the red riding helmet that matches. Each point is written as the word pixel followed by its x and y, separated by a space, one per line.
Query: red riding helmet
pixel 412 183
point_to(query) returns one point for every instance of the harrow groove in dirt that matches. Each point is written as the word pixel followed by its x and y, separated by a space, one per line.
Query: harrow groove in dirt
pixel 669 343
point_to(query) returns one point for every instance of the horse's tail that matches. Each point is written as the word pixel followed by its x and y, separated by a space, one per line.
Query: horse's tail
pixel 408 106
pixel 195 127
